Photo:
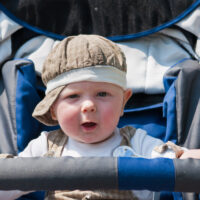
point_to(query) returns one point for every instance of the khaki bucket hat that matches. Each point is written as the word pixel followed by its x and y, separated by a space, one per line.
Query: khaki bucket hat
pixel 79 58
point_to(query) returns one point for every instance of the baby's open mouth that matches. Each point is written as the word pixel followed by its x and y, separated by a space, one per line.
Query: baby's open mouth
pixel 89 124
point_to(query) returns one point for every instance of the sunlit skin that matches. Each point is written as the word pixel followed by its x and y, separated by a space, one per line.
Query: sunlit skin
pixel 192 153
pixel 89 111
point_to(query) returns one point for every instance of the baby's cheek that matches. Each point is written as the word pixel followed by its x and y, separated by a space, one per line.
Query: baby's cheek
pixel 68 116
pixel 111 116
pixel 69 124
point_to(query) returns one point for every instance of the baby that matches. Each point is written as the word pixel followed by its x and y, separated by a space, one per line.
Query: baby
pixel 85 78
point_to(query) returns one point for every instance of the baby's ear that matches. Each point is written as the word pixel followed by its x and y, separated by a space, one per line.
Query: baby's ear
pixel 127 96
pixel 52 112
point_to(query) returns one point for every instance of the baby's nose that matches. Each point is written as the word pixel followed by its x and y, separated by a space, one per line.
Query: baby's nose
pixel 88 106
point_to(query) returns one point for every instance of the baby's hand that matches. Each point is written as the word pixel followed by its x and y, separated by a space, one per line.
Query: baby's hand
pixel 191 153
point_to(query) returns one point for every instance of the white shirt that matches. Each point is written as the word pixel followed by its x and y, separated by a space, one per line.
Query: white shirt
pixel 142 144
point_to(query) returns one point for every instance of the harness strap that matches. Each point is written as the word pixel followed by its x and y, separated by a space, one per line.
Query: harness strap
pixel 127 133
pixel 56 142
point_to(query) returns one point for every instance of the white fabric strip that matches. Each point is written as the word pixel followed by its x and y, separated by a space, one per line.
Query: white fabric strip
pixel 99 73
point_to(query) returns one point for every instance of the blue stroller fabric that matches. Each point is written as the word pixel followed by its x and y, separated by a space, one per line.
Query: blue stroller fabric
pixel 22 96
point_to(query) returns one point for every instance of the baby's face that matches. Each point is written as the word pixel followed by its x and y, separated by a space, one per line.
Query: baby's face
pixel 89 111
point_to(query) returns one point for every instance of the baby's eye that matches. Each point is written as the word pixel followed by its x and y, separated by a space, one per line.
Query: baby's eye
pixel 73 96
pixel 102 94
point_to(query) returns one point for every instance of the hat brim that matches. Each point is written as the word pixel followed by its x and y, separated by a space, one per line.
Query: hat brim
pixel 42 110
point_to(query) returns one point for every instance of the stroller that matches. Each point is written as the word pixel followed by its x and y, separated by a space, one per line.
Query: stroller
pixel 161 44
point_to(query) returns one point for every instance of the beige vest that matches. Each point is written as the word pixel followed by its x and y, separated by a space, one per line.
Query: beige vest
pixel 56 142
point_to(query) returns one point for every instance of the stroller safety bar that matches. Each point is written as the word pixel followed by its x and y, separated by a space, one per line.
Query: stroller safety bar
pixel 100 173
